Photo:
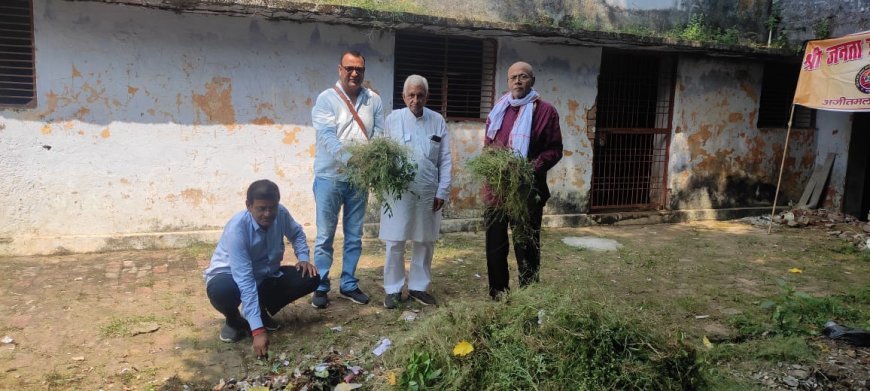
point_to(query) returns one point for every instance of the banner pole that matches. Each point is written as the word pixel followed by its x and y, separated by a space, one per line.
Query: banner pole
pixel 781 166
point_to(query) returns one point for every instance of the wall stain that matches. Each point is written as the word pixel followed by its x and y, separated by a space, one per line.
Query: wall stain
pixel 105 133
pixel 567 152
pixel 735 117
pixel 749 90
pixel 457 202
pixel 46 129
pixel 216 103
pixel 571 118
pixel 263 121
pixel 93 94
pixel 132 90
pixel 311 150
pixel 193 196
pixel 290 136
pixel 75 72
pixel 696 141
pixel 50 104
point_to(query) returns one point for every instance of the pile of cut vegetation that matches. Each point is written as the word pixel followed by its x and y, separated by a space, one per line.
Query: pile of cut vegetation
pixel 382 167
pixel 509 179
pixel 541 339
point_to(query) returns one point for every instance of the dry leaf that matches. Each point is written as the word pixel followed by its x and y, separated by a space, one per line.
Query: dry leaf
pixel 391 378
pixel 462 349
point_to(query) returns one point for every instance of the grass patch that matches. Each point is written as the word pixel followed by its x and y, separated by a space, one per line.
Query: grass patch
pixel 198 250
pixel 544 339
pixel 777 348
pixel 118 327
pixel 795 313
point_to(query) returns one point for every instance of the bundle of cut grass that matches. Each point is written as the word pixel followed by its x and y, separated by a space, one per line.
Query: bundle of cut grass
pixel 382 167
pixel 510 181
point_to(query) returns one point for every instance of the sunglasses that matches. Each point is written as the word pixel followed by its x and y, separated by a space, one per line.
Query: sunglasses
pixel 353 69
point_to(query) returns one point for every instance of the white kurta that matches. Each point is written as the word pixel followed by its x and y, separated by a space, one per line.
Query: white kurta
pixel 427 139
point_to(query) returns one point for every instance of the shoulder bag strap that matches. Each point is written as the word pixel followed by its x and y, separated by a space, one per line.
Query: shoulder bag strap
pixel 352 111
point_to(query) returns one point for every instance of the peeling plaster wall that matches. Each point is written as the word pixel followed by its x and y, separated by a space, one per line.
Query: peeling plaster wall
pixel 719 158
pixel 566 76
pixel 151 122
pixel 835 132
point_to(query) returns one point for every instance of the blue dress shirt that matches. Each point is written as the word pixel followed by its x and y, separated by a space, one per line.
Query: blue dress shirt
pixel 252 254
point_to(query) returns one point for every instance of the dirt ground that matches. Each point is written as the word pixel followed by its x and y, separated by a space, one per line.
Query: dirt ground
pixel 139 320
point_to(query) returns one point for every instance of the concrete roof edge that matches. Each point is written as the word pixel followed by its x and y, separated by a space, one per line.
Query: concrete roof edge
pixel 336 14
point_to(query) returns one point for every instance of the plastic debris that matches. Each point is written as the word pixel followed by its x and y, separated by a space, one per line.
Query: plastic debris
pixel 852 336
pixel 409 316
pixel 382 347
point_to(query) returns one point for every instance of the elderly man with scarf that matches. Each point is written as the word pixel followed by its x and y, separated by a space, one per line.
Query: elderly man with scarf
pixel 528 125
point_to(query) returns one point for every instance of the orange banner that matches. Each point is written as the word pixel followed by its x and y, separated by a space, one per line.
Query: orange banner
pixel 835 74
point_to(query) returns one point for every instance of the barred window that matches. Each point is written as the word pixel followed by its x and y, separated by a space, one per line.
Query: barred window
pixel 460 72
pixel 777 94
pixel 17 75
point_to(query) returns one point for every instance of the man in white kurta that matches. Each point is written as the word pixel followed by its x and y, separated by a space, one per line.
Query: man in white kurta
pixel 417 215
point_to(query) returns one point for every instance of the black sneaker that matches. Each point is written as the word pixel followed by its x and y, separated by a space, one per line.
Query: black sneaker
pixel 356 296
pixel 319 300
pixel 422 297
pixel 269 323
pixel 392 300
pixel 230 334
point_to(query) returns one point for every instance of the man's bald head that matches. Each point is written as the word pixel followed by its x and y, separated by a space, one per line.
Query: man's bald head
pixel 522 66
pixel 521 79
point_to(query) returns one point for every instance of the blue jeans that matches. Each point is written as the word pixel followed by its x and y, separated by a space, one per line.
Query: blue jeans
pixel 330 195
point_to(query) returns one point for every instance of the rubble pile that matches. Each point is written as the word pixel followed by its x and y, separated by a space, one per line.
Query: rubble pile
pixel 834 223
pixel 843 368
pixel 332 373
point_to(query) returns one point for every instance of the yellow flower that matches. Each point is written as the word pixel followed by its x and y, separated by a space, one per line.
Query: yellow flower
pixel 795 270
pixel 391 378
pixel 462 349
pixel 707 343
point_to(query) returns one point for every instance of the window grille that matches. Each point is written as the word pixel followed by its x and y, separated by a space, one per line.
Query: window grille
pixel 777 94
pixel 632 131
pixel 17 74
pixel 460 72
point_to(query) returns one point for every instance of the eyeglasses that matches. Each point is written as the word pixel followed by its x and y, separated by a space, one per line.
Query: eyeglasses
pixel 353 69
pixel 520 77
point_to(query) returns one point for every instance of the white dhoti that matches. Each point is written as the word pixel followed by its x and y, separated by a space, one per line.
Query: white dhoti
pixel 421 266
pixel 412 217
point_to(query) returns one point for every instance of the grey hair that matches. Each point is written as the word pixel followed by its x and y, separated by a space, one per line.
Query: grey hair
pixel 416 80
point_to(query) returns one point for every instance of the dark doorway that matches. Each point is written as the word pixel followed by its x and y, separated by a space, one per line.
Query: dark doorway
pixel 857 194
pixel 632 131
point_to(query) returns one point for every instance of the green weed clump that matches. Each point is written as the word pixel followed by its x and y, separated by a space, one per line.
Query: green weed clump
pixel 510 179
pixel 381 166
pixel 548 340
pixel 796 313
pixel 698 30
